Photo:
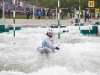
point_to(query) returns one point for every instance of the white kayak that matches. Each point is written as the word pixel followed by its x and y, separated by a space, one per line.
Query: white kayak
pixel 45 50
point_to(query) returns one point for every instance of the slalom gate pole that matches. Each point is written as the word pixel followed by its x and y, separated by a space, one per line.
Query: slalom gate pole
pixel 33 12
pixel 56 13
pixel 53 19
pixel 47 21
pixel 3 10
pixel 59 22
pixel 14 18
pixel 79 14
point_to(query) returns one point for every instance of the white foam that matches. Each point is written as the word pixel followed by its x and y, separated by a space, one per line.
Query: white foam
pixel 78 54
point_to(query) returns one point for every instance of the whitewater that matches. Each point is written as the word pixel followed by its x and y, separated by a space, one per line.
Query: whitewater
pixel 78 54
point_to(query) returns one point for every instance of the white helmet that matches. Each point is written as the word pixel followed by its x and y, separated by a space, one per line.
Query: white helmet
pixel 50 30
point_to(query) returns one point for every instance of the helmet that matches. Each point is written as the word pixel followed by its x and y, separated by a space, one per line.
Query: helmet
pixel 50 30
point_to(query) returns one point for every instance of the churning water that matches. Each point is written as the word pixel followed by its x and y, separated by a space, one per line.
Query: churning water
pixel 78 54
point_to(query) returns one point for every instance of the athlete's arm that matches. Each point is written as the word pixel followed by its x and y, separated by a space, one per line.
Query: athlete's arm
pixel 63 31
pixel 49 43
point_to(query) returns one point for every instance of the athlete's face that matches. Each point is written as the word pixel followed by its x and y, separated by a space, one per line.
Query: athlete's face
pixel 50 34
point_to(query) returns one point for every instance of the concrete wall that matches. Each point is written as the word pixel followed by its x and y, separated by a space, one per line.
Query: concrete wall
pixel 34 22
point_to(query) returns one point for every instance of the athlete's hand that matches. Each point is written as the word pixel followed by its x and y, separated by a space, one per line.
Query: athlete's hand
pixel 57 48
pixel 67 31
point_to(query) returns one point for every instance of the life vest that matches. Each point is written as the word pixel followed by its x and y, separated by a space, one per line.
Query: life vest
pixel 44 44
